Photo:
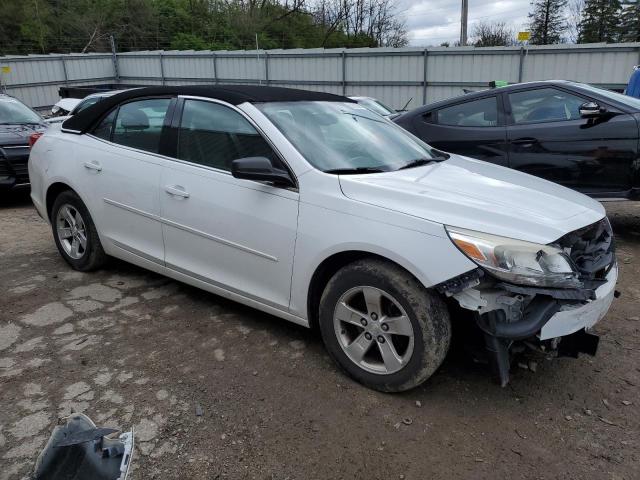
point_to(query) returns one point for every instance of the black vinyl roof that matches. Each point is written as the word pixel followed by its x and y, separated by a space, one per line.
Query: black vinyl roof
pixel 233 94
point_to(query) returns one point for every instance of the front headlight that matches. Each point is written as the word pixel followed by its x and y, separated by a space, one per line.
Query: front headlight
pixel 517 261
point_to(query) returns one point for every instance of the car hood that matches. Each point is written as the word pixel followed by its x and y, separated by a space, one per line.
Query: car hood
pixel 476 195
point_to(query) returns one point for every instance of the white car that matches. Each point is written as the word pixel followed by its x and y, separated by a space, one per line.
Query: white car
pixel 310 207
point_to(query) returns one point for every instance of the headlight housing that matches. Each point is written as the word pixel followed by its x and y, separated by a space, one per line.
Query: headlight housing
pixel 517 261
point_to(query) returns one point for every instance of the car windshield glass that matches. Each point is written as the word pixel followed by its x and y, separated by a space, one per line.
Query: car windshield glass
pixel 375 106
pixel 339 137
pixel 12 111
pixel 626 99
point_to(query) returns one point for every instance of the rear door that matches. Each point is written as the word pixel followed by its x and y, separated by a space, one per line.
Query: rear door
pixel 548 138
pixel 474 128
pixel 118 168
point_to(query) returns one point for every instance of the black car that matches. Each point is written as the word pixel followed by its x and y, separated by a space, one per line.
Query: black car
pixel 17 123
pixel 577 135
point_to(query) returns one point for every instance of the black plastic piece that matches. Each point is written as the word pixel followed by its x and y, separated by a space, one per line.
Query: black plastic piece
pixel 582 294
pixel 460 283
pixel 537 313
pixel 498 349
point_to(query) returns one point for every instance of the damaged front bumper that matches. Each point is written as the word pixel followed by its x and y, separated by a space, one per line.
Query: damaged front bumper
pixel 555 320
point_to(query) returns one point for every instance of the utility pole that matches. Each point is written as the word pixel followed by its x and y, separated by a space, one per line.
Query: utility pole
pixel 463 22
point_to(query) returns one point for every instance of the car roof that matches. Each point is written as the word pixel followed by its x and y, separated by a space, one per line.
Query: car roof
pixel 233 94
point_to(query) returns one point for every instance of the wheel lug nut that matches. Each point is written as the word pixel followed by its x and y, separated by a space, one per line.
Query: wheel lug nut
pixel 380 339
pixel 374 316
pixel 363 322
pixel 384 327
pixel 367 336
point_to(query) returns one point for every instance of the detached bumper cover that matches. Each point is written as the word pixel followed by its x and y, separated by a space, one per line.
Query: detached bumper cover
pixel 570 318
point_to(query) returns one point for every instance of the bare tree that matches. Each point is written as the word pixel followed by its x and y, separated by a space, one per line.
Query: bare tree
pixel 492 34
pixel 574 17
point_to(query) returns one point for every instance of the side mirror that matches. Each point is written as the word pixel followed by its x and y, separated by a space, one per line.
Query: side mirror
pixel 260 169
pixel 591 109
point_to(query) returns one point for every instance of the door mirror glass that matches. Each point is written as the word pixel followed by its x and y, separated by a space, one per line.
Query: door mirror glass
pixel 260 169
pixel 591 109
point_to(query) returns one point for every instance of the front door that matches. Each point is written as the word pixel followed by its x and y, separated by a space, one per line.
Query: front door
pixel 235 234
pixel 548 138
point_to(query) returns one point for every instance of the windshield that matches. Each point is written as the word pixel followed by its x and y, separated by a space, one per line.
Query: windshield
pixel 345 136
pixel 12 111
pixel 376 106
pixel 626 99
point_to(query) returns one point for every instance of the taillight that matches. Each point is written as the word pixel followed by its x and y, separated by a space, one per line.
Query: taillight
pixel 33 138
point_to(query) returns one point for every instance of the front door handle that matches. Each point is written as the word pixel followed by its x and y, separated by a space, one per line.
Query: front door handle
pixel 176 191
pixel 93 166
pixel 524 141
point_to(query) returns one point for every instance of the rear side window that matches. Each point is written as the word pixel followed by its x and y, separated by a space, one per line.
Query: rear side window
pixel 139 124
pixel 544 105
pixel 477 113
pixel 215 135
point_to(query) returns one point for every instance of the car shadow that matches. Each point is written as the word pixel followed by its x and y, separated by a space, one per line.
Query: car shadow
pixel 15 198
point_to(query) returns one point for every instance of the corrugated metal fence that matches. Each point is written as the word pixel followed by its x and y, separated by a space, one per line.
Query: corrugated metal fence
pixel 393 75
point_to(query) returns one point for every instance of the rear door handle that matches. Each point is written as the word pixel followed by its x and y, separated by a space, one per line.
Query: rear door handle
pixel 524 141
pixel 176 191
pixel 93 166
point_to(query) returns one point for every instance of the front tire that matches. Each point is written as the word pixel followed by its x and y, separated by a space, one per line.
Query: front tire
pixel 75 233
pixel 382 326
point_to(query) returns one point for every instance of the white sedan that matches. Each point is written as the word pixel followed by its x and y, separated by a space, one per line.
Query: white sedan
pixel 310 207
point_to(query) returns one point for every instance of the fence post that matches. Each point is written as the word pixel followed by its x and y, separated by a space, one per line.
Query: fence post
pixel 215 68
pixel 114 56
pixel 161 66
pixel 424 77
pixel 64 70
pixel 521 65
pixel 266 67
pixel 344 72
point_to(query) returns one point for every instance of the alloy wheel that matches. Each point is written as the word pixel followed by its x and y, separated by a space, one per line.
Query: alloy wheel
pixel 373 330
pixel 71 231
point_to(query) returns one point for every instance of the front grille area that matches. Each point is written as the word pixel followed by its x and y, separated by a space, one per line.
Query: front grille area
pixel 5 171
pixel 591 249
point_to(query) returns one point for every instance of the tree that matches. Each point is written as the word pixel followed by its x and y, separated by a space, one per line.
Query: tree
pixel 547 23
pixel 492 34
pixel 630 22
pixel 574 17
pixel 600 21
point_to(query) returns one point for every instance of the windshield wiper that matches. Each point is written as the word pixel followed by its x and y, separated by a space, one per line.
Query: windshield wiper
pixel 418 162
pixel 353 171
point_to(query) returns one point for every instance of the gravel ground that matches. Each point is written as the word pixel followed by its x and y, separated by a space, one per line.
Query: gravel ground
pixel 131 348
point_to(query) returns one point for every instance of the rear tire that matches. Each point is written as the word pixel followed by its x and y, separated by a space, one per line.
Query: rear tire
pixel 75 233
pixel 382 326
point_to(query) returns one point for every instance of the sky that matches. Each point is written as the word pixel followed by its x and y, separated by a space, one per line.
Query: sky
pixel 435 21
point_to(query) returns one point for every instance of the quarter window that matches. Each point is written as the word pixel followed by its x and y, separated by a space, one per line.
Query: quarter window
pixel 104 128
pixel 477 113
pixel 544 105
pixel 214 135
pixel 139 124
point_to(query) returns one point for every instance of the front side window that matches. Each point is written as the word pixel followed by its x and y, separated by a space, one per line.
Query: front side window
pixel 476 113
pixel 544 105
pixel 139 124
pixel 214 135
pixel 336 136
